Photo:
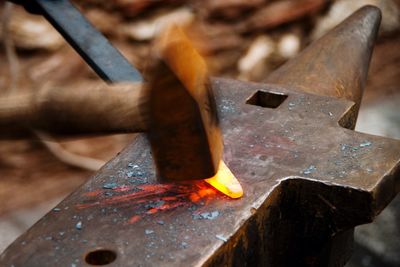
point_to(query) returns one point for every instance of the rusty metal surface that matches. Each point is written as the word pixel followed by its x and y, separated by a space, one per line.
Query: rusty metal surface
pixel 336 65
pixel 340 177
pixel 307 181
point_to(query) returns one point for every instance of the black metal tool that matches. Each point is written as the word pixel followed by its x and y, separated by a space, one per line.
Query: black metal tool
pixel 93 47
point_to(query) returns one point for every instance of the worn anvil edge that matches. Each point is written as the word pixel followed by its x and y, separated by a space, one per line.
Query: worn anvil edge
pixel 265 216
pixel 245 235
pixel 378 198
pixel 390 182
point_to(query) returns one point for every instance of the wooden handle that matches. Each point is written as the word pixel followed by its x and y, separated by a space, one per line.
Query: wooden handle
pixel 102 109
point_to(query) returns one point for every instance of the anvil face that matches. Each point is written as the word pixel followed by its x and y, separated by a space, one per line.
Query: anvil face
pixel 294 153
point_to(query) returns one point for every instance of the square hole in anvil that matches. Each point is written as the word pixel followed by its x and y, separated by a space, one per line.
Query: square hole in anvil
pixel 266 99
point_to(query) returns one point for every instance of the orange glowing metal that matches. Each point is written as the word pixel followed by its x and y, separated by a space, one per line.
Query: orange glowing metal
pixel 225 182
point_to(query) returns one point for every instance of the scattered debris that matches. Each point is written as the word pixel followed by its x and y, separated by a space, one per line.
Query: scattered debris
pixel 148 232
pixel 350 148
pixel 110 186
pixel 228 106
pixel 343 147
pixel 206 215
pixel 78 225
pixel 365 144
pixel 154 204
pixel 131 165
pixel 135 173
pixel 192 207
pixel 221 237
pixel 184 245
pixel 56 209
pixel 309 170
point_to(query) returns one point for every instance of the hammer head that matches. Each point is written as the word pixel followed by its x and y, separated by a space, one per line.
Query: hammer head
pixel 184 128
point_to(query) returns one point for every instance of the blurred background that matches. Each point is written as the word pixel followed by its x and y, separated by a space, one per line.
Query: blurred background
pixel 242 39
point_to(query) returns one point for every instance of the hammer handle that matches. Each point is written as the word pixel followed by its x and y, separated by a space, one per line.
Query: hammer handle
pixel 69 112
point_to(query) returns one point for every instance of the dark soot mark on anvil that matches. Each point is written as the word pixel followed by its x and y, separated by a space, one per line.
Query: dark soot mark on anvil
pixel 148 199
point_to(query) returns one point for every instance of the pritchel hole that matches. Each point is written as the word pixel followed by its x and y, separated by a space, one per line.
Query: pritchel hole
pixel 266 99
pixel 100 257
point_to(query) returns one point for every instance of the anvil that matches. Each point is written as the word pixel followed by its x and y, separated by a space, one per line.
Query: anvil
pixel 308 178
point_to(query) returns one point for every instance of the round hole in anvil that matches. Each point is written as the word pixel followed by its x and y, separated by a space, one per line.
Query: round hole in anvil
pixel 100 257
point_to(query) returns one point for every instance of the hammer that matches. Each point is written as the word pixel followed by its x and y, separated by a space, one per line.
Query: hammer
pixel 175 107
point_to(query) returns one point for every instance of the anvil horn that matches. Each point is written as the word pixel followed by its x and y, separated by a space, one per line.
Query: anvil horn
pixel 336 64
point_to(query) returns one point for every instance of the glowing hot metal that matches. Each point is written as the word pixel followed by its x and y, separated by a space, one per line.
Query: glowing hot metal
pixel 226 182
